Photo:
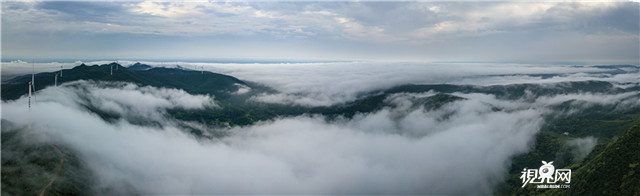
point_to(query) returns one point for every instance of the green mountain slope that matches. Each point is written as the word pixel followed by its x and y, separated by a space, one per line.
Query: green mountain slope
pixel 615 171
pixel 28 167
pixel 611 168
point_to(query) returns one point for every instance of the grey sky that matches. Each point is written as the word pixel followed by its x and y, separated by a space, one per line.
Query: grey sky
pixel 594 32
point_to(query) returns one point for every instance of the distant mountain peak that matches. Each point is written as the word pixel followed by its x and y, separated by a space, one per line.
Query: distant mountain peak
pixel 139 66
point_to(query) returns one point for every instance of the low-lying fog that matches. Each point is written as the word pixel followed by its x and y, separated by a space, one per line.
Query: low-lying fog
pixel 462 147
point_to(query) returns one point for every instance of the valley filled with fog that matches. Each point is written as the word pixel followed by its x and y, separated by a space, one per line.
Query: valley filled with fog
pixel 427 128
pixel 319 97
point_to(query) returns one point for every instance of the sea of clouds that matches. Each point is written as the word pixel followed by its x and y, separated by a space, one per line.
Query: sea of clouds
pixel 462 147
pixel 329 83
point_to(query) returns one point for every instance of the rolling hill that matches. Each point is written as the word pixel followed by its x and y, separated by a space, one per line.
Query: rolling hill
pixel 195 82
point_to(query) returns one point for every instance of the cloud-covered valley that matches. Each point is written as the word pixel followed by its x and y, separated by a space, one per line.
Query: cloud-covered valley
pixel 463 145
pixel 324 84
pixel 317 97
pixel 328 83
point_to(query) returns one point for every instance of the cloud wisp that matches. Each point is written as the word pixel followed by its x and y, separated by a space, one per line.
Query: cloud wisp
pixel 583 146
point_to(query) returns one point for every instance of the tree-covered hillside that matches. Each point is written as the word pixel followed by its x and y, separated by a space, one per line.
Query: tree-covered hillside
pixel 611 168
pixel 192 81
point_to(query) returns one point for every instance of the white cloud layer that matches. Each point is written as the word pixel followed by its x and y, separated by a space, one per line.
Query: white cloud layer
pixel 323 84
pixel 463 147
pixel 121 99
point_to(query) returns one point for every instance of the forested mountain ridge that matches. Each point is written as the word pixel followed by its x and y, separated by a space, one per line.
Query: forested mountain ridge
pixel 192 81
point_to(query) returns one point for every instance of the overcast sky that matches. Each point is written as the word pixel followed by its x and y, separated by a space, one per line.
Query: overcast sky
pixel 594 32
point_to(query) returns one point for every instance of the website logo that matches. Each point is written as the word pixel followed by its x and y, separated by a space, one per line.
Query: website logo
pixel 546 176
